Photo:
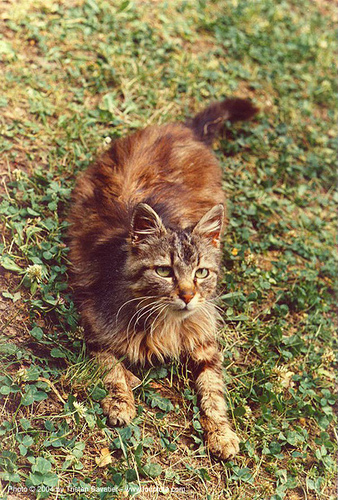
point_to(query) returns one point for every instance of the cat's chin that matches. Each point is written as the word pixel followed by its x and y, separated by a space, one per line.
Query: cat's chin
pixel 182 313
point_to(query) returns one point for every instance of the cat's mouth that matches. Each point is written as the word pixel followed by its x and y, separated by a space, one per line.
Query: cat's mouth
pixel 182 314
pixel 183 310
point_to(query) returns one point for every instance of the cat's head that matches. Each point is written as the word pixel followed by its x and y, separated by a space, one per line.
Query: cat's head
pixel 175 272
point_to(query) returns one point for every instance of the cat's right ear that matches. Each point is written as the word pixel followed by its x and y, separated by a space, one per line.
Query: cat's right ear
pixel 145 222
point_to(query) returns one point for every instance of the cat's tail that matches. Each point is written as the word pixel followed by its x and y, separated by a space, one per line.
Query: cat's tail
pixel 210 122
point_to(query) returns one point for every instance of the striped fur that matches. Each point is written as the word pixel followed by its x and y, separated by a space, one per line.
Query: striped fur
pixel 153 204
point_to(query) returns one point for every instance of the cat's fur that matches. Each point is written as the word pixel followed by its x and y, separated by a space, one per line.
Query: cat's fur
pixel 154 200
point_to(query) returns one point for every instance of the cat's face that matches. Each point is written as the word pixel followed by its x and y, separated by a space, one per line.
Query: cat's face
pixel 173 273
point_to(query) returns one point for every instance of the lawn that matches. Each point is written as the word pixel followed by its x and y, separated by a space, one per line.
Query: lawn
pixel 75 74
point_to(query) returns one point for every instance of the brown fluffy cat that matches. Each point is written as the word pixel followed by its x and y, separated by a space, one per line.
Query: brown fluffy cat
pixel 145 235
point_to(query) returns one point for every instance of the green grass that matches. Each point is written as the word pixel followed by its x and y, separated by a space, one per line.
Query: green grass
pixel 74 73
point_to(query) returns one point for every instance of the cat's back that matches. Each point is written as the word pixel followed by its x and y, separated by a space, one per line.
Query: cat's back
pixel 164 166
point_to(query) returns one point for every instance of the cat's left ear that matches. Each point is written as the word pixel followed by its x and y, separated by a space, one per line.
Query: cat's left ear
pixel 145 222
pixel 210 226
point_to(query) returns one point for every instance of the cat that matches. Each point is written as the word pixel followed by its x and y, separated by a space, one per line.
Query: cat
pixel 145 227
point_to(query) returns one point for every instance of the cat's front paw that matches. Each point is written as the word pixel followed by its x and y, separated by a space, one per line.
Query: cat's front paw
pixel 222 442
pixel 119 412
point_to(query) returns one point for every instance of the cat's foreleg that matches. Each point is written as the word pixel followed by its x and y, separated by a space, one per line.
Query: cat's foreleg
pixel 119 404
pixel 207 372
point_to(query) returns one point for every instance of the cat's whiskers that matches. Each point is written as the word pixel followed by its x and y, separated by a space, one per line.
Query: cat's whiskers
pixel 214 301
pixel 149 309
pixel 212 319
pixel 131 319
pixel 154 324
pixel 210 303
pixel 139 313
pixel 219 309
pixel 214 310
pixel 141 299
pixel 153 309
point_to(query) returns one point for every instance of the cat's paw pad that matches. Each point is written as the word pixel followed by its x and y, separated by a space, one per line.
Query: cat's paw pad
pixel 119 412
pixel 222 442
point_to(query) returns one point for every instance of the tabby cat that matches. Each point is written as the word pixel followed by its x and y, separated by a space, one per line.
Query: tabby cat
pixel 146 223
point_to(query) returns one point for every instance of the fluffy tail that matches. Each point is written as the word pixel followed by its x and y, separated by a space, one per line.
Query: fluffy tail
pixel 210 122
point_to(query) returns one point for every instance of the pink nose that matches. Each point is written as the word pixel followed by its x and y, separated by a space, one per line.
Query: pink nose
pixel 186 295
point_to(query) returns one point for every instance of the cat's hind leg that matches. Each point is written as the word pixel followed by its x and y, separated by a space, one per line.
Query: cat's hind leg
pixel 207 372
pixel 119 404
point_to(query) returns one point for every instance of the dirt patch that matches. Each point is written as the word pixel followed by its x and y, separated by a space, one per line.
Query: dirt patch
pixel 13 314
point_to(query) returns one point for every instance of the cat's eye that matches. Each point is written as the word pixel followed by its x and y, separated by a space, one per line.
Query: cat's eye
pixel 202 273
pixel 164 271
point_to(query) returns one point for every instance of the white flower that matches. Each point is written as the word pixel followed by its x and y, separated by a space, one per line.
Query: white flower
pixel 284 376
pixel 21 375
pixel 35 272
pixel 19 174
pixel 80 408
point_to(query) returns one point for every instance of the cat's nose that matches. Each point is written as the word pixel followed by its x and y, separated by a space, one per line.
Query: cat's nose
pixel 186 295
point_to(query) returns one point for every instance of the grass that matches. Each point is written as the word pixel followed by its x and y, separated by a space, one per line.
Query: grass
pixel 74 73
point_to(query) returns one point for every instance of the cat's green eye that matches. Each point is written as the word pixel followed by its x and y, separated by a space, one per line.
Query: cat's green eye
pixel 202 273
pixel 164 271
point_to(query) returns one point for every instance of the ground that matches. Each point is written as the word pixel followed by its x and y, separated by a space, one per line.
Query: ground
pixel 74 73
